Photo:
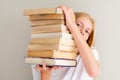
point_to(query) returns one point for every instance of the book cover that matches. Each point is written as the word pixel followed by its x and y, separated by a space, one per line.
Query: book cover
pixel 57 47
pixel 52 54
pixel 45 16
pixel 49 29
pixel 47 22
pixel 28 12
pixel 51 61
pixel 62 41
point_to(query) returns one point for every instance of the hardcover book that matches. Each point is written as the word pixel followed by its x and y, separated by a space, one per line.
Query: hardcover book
pixel 46 16
pixel 57 47
pixel 49 29
pixel 62 41
pixel 47 22
pixel 52 35
pixel 51 61
pixel 29 12
pixel 52 54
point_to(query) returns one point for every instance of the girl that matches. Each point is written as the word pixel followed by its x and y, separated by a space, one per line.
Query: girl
pixel 81 25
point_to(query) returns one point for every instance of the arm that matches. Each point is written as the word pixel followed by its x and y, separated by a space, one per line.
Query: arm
pixel 46 71
pixel 45 75
pixel 89 61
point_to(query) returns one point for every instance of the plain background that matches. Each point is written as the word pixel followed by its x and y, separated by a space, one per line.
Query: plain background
pixel 15 34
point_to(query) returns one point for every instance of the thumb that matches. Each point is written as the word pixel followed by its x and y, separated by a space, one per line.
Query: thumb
pixel 44 66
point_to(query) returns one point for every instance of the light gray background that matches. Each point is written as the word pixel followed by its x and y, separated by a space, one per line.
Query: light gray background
pixel 15 34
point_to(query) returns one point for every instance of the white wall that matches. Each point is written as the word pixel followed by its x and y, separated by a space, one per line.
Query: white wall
pixel 15 34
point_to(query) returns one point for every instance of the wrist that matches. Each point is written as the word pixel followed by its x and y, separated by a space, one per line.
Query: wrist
pixel 45 74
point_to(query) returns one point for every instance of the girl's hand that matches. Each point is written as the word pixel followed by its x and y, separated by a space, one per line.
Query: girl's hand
pixel 69 15
pixel 44 67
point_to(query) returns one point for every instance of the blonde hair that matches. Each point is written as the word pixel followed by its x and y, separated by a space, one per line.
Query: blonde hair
pixel 90 40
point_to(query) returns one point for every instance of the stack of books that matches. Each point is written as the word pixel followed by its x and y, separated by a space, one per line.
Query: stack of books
pixel 51 41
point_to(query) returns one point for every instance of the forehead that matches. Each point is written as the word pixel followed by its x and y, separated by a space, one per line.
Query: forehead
pixel 85 21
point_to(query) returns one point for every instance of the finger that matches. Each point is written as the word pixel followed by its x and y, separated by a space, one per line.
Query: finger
pixel 60 67
pixel 38 68
pixel 44 66
pixel 62 7
pixel 54 68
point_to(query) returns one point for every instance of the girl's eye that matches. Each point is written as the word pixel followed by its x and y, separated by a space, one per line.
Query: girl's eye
pixel 79 24
pixel 87 32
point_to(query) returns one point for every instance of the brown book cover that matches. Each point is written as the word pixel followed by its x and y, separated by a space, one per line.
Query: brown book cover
pixel 29 12
pixel 57 47
pixel 49 29
pixel 46 22
pixel 45 16
pixel 52 54
pixel 62 41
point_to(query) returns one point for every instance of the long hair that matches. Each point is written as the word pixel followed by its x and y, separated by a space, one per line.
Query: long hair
pixel 90 40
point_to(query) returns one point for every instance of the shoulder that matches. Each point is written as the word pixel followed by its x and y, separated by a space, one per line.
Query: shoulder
pixel 94 50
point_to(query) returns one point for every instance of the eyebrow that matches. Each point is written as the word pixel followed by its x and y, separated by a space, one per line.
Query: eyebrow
pixel 89 28
pixel 84 25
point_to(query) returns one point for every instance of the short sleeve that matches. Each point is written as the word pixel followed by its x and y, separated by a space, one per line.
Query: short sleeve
pixel 36 74
pixel 95 53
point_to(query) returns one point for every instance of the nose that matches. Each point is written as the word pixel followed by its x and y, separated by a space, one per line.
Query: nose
pixel 82 31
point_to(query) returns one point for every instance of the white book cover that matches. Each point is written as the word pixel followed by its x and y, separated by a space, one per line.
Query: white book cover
pixel 51 61
pixel 52 35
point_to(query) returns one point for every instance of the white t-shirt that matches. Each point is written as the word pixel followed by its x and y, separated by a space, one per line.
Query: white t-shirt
pixel 69 73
